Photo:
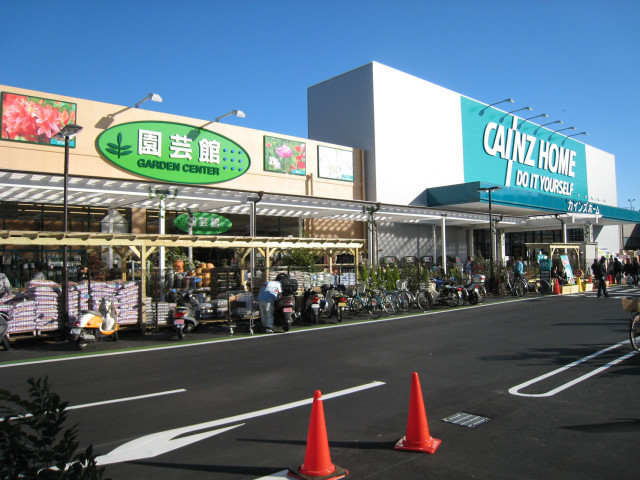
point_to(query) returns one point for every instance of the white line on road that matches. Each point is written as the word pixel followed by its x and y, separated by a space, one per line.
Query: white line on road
pixel 516 390
pixel 126 399
pixel 116 400
pixel 156 444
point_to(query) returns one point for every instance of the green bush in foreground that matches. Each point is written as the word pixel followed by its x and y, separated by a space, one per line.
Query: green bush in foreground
pixel 33 443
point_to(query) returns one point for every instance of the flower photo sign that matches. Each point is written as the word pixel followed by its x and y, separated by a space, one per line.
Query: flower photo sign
pixel 35 120
pixel 285 156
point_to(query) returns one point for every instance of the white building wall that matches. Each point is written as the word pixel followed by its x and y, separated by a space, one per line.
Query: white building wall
pixel 342 107
pixel 608 237
pixel 418 136
pixel 601 176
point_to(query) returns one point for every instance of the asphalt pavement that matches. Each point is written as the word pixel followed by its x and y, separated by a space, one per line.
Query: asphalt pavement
pixel 549 382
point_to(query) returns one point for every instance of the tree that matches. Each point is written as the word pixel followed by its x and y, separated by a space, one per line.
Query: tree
pixel 32 441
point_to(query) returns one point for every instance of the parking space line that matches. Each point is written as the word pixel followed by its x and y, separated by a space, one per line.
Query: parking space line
pixel 516 390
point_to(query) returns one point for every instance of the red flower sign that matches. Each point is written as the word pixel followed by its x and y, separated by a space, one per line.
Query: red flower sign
pixel 34 119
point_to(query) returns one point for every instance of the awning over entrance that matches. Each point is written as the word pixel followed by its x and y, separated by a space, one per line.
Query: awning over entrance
pixel 540 210
pixel 116 193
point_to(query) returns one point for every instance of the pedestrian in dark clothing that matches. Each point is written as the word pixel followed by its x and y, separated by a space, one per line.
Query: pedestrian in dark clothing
pixel 599 269
pixel 635 271
pixel 627 271
pixel 617 270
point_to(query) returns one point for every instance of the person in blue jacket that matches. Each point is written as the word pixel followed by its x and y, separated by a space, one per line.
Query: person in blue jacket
pixel 267 302
pixel 518 269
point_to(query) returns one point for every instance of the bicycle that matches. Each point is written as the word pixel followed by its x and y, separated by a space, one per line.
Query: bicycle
pixel 360 302
pixel 408 299
pixel 631 305
pixel 508 285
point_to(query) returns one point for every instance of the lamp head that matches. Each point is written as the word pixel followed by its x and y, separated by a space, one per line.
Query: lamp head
pixel 68 131
pixel 154 97
pixel 237 113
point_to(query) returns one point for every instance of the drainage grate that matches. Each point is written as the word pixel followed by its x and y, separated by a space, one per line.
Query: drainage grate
pixel 466 419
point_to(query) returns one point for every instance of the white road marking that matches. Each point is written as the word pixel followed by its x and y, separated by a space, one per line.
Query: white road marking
pixel 106 402
pixel 274 476
pixel 516 390
pixel 158 443
pixel 126 399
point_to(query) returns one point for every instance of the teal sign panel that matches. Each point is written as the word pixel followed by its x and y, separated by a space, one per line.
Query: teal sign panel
pixel 506 150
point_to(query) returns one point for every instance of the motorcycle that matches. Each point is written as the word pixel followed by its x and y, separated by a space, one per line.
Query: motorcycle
pixel 444 294
pixel 285 304
pixel 4 327
pixel 186 314
pixel 311 305
pixel 470 293
pixel 336 301
pixel 95 325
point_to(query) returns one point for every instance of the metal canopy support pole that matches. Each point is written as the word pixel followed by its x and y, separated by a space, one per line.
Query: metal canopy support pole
pixel 190 249
pixel 252 234
pixel 444 243
pixel 161 260
pixel 435 243
pixel 492 235
pixel 470 245
pixel 110 213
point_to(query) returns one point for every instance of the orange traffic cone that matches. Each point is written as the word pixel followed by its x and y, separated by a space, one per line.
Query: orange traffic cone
pixel 556 288
pixel 317 459
pixel 417 438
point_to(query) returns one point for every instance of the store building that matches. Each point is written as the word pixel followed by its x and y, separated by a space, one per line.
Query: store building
pixel 391 159
pixel 134 171
pixel 428 146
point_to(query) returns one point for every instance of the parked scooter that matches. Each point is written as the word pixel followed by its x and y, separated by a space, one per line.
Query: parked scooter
pixel 311 305
pixel 444 294
pixel 4 327
pixel 186 314
pixel 336 301
pixel 285 305
pixel 95 325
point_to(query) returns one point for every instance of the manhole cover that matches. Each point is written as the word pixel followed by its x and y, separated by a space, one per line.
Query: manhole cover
pixel 466 419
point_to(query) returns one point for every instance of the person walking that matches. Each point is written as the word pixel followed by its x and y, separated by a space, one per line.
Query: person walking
pixel 627 271
pixel 617 270
pixel 635 271
pixel 518 269
pixel 599 269
pixel 267 303
pixel 467 268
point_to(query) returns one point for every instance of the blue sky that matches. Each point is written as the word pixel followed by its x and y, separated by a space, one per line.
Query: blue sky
pixel 577 61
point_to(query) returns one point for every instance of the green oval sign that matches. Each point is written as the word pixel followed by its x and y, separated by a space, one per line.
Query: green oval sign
pixel 203 223
pixel 173 152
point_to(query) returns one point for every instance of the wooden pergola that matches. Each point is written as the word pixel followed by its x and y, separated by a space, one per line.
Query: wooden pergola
pixel 142 246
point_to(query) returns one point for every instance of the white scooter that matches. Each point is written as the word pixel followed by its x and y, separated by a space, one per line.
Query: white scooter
pixel 95 325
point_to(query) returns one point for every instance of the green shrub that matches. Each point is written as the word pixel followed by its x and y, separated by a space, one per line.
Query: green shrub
pixel 32 441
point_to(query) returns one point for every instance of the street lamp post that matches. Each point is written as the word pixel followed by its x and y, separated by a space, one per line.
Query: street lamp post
pixel 491 232
pixel 237 113
pixel 67 132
